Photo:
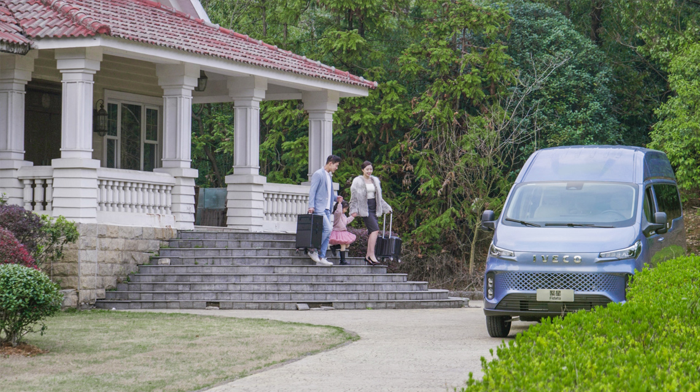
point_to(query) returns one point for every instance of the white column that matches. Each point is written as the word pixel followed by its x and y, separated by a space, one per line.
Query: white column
pixel 15 72
pixel 320 106
pixel 245 187
pixel 247 93
pixel 75 173
pixel 177 82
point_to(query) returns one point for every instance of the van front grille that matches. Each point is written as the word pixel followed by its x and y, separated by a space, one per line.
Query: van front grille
pixel 528 302
pixel 579 282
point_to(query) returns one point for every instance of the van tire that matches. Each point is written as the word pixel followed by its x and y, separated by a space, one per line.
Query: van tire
pixel 498 326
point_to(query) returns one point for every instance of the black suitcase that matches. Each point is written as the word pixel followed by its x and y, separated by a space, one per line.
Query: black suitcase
pixel 388 246
pixel 309 231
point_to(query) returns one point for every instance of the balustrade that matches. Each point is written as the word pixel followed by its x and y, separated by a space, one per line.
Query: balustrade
pixel 134 197
pixel 282 203
pixel 38 194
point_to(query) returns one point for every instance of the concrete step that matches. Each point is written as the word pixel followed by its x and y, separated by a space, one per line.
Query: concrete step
pixel 245 260
pixel 283 305
pixel 231 244
pixel 222 270
pixel 298 296
pixel 234 236
pixel 267 286
pixel 349 277
pixel 235 252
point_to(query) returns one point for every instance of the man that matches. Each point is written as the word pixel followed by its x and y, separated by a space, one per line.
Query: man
pixel 321 199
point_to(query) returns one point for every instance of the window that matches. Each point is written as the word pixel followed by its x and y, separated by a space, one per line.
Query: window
pixel 649 205
pixel 668 201
pixel 133 138
pixel 574 203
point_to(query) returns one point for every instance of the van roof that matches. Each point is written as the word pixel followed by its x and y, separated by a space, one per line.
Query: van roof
pixel 596 163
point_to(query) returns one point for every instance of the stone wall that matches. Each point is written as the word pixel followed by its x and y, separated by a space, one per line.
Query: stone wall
pixel 104 256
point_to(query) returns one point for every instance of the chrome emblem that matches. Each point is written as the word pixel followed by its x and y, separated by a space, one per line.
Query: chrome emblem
pixel 555 259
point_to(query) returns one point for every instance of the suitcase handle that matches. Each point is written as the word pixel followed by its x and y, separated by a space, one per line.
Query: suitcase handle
pixel 391 221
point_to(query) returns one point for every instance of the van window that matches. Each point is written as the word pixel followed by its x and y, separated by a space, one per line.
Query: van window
pixel 649 205
pixel 668 201
pixel 573 203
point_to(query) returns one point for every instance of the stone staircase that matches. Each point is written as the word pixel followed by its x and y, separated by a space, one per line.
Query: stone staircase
pixel 235 270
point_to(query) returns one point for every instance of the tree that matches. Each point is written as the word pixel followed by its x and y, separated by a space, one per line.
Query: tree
pixel 575 104
pixel 678 131
pixel 460 156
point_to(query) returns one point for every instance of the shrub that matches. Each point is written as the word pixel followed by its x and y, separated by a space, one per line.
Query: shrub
pixel 650 343
pixel 27 297
pixel 43 236
pixel 56 233
pixel 12 252
pixel 25 225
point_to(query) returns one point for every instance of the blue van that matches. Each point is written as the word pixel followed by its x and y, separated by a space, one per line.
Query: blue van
pixel 576 225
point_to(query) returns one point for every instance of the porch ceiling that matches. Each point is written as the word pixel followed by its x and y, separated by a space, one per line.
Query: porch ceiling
pixel 149 31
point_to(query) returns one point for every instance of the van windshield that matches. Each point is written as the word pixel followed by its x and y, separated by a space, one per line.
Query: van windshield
pixel 595 204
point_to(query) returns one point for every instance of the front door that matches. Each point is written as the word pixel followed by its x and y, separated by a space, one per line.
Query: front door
pixel 42 122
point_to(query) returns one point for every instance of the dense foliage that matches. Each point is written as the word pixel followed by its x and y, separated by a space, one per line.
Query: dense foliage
pixel 467 90
pixel 25 225
pixel 27 297
pixel 42 236
pixel 649 343
pixel 12 251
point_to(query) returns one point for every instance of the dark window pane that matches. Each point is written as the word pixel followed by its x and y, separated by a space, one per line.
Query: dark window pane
pixel 149 156
pixel 152 125
pixel 111 153
pixel 131 137
pixel 648 205
pixel 112 113
pixel 668 200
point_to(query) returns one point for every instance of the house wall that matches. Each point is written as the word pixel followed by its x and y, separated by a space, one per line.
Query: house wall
pixel 103 256
pixel 116 73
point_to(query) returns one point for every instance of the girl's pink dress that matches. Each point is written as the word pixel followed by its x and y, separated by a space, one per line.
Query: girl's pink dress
pixel 340 234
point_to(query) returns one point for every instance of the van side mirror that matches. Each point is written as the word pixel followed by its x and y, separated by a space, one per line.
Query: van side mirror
pixel 660 218
pixel 659 224
pixel 488 220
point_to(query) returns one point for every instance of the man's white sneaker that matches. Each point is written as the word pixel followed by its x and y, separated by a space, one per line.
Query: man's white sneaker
pixel 324 262
pixel 314 256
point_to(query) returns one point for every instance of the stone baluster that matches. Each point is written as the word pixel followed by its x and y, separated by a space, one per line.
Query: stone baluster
pixel 39 194
pixel 49 194
pixel 28 195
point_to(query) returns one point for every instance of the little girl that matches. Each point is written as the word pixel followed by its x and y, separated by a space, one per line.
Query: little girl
pixel 340 236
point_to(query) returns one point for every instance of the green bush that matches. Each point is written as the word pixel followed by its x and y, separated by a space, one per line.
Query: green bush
pixel 27 297
pixel 650 343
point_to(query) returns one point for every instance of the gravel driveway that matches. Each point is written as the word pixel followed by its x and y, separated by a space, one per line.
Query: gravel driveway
pixel 399 350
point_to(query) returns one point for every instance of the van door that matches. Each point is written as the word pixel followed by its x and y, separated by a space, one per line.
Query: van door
pixel 673 241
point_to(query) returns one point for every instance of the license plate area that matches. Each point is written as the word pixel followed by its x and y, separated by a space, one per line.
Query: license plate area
pixel 555 295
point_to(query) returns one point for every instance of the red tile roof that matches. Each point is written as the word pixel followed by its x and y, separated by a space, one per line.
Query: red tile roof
pixel 152 23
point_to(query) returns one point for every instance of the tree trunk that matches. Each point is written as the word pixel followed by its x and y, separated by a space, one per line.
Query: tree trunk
pixel 596 21
pixel 472 251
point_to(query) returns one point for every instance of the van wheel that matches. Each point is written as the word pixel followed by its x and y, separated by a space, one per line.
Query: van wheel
pixel 498 326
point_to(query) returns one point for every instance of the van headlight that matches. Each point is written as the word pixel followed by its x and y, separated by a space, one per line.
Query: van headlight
pixel 500 252
pixel 490 278
pixel 631 252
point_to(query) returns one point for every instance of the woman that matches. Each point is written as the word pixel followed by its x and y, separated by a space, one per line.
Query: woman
pixel 366 201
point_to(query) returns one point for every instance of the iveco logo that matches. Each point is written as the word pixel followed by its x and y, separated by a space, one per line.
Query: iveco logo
pixel 555 259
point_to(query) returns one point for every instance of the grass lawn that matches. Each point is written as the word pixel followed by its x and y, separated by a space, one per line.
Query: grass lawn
pixel 124 351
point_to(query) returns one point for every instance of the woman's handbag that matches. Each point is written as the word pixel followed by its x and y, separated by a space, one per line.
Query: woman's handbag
pixel 388 246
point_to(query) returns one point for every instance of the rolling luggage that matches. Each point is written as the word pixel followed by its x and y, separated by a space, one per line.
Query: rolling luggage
pixel 388 246
pixel 309 232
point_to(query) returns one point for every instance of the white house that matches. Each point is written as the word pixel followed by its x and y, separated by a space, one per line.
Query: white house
pixel 62 61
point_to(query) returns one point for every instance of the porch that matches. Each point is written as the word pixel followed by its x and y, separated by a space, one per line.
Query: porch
pixel 138 172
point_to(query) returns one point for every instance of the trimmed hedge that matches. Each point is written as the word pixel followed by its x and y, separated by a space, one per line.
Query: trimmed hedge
pixel 27 297
pixel 650 343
